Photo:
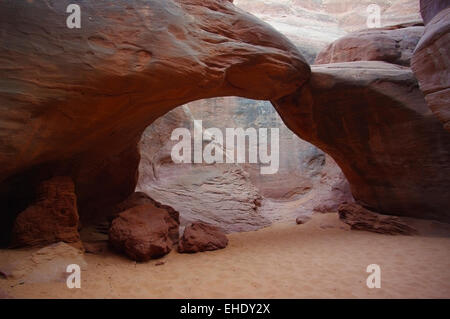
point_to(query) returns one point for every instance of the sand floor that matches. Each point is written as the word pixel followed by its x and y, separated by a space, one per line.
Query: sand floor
pixel 320 259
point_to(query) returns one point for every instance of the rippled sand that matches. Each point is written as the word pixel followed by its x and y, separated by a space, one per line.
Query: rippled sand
pixel 321 259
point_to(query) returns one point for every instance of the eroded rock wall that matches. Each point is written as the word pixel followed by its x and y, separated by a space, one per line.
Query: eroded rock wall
pixel 313 24
pixel 431 66
pixel 384 44
pixel 237 197
pixel 371 117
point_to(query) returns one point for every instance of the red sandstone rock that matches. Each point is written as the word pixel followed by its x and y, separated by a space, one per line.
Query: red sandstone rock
pixel 142 232
pixel 199 237
pixel 78 100
pixel 372 119
pixel 140 198
pixel 430 8
pixel 430 64
pixel 312 25
pixel 360 218
pixel 113 80
pixel 385 44
pixel 52 218
pixel 85 113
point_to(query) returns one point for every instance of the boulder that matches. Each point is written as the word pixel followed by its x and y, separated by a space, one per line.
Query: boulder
pixel 202 237
pixel 385 44
pixel 360 218
pixel 371 117
pixel 430 64
pixel 220 195
pixel 142 232
pixel 140 198
pixel 430 8
pixel 52 218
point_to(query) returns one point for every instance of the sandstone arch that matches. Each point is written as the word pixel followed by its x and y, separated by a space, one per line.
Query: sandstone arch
pixel 371 117
pixel 75 101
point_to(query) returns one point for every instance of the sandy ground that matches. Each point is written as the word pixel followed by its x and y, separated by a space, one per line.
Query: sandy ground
pixel 320 259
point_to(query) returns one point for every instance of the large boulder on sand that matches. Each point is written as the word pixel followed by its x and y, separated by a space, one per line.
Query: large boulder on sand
pixel 430 64
pixel 52 218
pixel 202 237
pixel 142 232
pixel 140 198
pixel 385 44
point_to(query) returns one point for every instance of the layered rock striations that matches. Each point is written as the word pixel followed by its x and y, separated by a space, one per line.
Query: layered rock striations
pixel 313 24
pixel 237 197
pixel 386 44
pixel 360 218
pixel 430 64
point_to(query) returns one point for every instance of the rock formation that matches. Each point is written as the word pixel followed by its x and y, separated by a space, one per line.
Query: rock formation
pixel 360 218
pixel 138 199
pixel 221 195
pixel 302 220
pixel 386 44
pixel 76 101
pixel 313 24
pixel 199 237
pixel 300 163
pixel 52 218
pixel 430 8
pixel 430 64
pixel 237 197
pixel 143 232
pixel 372 119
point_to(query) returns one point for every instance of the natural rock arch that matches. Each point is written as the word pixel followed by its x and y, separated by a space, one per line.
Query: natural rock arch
pixel 372 118
pixel 75 101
